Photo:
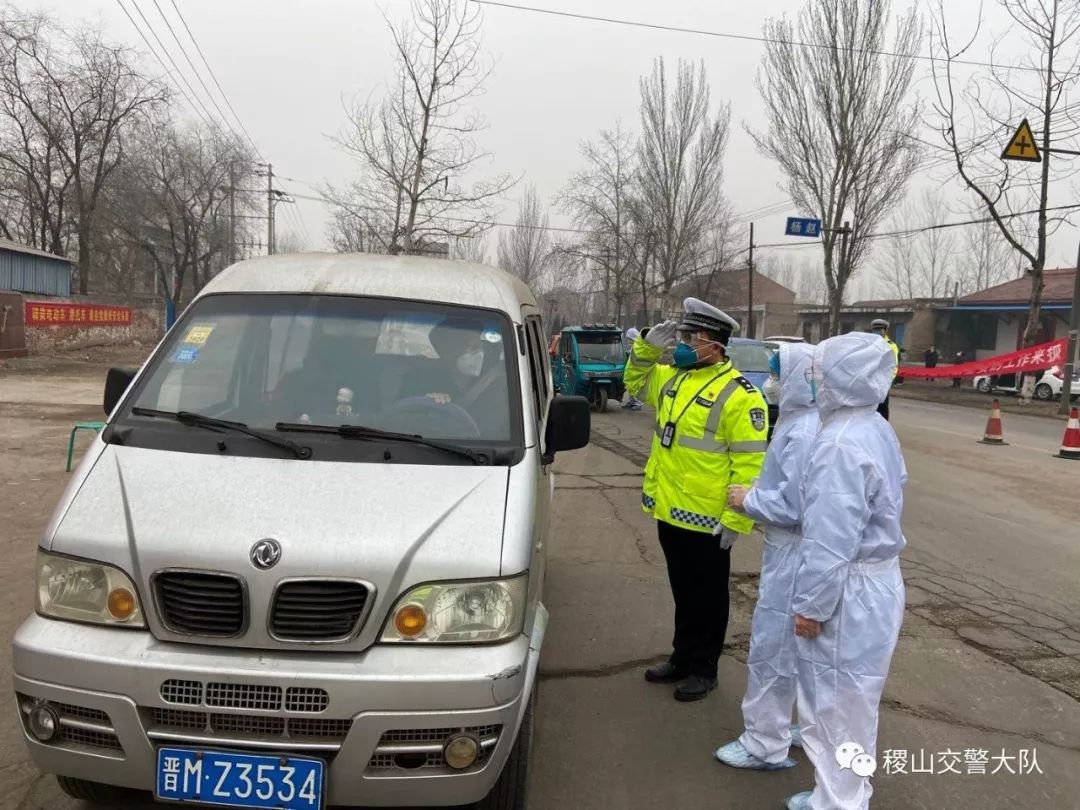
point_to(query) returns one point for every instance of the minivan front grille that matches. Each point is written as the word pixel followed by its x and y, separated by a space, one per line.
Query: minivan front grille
pixel 200 604
pixel 317 609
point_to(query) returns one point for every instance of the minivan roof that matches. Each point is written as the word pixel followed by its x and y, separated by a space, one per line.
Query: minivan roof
pixel 415 278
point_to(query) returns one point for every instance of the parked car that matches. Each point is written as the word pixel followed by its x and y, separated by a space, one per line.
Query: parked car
pixel 1048 383
pixel 773 343
pixel 303 564
pixel 751 358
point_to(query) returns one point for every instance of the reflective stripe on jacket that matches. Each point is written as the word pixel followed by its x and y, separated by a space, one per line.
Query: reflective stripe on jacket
pixel 720 439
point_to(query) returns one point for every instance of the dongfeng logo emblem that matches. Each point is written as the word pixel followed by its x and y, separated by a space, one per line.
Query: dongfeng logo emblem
pixel 265 554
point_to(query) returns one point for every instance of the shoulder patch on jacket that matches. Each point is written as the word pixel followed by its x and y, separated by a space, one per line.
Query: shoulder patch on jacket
pixel 757 418
pixel 746 384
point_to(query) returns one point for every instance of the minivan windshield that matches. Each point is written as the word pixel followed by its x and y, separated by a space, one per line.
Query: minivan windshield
pixel 749 357
pixel 600 348
pixel 415 368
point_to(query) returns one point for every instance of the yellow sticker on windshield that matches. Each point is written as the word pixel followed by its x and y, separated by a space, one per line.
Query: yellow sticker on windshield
pixel 198 333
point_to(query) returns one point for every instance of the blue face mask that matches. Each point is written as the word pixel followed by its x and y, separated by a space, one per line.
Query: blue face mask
pixel 685 356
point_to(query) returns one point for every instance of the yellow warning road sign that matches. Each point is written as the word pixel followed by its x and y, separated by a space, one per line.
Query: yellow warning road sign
pixel 1022 145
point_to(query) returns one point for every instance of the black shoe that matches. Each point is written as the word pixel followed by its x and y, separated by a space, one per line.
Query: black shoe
pixel 664 673
pixel 694 688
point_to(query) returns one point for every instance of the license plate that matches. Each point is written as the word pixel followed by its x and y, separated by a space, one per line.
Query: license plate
pixel 230 779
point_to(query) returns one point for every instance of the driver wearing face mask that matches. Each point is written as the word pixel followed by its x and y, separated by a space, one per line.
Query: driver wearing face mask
pixel 459 344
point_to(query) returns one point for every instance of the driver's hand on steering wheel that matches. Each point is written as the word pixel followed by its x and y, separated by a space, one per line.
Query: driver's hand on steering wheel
pixel 441 399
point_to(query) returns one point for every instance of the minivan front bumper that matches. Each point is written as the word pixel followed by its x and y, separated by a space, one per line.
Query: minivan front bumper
pixel 121 694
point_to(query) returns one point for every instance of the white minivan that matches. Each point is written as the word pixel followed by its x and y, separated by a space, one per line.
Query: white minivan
pixel 302 565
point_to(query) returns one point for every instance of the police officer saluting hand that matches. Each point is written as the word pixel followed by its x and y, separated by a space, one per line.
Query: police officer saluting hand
pixel 711 427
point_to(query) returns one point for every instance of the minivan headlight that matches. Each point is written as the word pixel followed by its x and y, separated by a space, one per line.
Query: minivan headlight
pixel 84 591
pixel 459 612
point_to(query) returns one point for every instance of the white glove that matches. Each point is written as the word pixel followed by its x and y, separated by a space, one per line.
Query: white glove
pixel 727 536
pixel 662 335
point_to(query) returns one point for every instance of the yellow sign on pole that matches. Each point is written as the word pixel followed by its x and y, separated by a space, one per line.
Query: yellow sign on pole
pixel 1022 145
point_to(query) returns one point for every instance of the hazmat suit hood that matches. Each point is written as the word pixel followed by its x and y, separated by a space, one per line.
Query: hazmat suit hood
pixel 851 371
pixel 796 360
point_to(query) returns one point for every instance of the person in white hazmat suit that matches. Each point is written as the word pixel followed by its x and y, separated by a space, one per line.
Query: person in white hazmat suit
pixel 776 501
pixel 849 594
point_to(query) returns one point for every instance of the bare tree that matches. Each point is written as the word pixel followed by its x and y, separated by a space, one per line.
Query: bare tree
pixel 601 200
pixel 525 249
pixel 290 242
pixel 923 261
pixel 470 249
pixel 417 145
pixel 803 276
pixel 680 165
pixel 988 259
pixel 176 186
pixel 977 116
pixel 66 99
pixel 840 126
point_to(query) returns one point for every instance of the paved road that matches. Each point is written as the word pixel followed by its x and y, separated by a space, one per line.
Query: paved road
pixel 987 660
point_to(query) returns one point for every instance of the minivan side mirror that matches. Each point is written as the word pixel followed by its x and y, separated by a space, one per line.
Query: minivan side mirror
pixel 116 383
pixel 568 427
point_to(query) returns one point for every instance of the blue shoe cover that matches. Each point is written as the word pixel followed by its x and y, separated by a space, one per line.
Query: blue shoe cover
pixel 800 801
pixel 796 736
pixel 735 755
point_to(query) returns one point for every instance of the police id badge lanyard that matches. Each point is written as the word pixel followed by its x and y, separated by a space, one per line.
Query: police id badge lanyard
pixel 667 435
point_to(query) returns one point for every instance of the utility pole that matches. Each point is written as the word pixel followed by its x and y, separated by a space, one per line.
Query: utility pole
pixel 269 209
pixel 232 212
pixel 750 288
pixel 1074 343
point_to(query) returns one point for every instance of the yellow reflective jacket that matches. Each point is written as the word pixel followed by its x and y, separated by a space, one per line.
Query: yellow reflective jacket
pixel 721 427
pixel 896 353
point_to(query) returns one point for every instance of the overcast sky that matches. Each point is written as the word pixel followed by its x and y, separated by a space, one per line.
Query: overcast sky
pixel 286 66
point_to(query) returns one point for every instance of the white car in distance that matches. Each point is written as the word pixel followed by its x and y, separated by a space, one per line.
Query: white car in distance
pixel 1048 384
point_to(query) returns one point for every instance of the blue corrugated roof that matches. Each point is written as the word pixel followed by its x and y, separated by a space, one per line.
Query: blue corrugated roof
pixel 27 270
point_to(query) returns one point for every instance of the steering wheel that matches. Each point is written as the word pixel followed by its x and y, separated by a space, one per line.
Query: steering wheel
pixel 450 412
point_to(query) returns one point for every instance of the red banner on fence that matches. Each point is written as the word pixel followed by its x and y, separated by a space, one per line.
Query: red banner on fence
pixel 47 313
pixel 1035 358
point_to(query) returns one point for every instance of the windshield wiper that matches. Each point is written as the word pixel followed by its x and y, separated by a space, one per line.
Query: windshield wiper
pixel 201 420
pixel 365 432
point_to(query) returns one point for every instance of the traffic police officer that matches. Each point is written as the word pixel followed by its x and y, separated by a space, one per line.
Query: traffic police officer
pixel 880 326
pixel 711 428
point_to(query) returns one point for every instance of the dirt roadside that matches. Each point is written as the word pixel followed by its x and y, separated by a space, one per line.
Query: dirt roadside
pixel 966 396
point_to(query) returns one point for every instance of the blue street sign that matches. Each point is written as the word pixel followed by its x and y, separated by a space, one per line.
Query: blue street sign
pixel 797 226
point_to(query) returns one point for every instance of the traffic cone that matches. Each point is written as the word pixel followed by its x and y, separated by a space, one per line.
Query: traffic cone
pixel 1070 445
pixel 993 434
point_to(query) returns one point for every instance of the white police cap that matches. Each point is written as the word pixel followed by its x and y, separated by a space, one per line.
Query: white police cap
pixel 879 323
pixel 698 315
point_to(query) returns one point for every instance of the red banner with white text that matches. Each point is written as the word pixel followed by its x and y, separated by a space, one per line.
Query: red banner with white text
pixel 1034 358
pixel 61 313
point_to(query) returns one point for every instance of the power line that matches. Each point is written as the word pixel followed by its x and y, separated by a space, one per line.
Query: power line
pixel 209 118
pixel 213 76
pixel 749 37
pixel 194 70
pixel 161 62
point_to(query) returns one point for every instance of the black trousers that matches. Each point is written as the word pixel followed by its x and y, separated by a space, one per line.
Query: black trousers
pixel 883 408
pixel 698 571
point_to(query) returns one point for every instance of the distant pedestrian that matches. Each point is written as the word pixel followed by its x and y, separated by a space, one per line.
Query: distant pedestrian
pixel 958 359
pixel 930 358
